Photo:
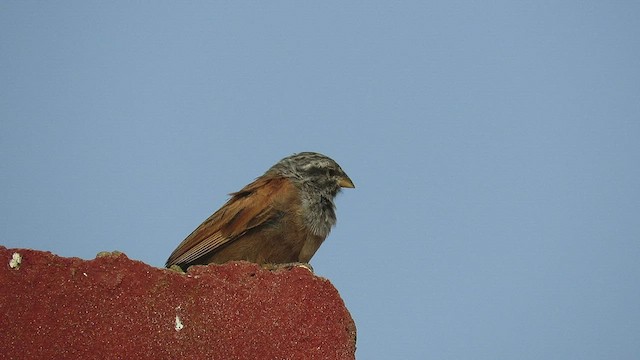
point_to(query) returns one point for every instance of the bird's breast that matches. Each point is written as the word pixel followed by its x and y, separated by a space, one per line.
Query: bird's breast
pixel 319 215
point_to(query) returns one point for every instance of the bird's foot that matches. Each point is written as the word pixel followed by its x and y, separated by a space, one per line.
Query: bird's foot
pixel 288 266
pixel 177 269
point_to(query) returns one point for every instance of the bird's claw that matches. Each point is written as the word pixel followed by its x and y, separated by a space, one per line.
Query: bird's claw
pixel 288 266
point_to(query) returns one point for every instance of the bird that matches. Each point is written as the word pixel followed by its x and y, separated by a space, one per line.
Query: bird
pixel 282 217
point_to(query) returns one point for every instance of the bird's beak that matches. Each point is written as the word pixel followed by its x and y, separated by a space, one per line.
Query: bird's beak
pixel 345 182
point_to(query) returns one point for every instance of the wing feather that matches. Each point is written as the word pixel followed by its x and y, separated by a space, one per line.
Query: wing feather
pixel 247 209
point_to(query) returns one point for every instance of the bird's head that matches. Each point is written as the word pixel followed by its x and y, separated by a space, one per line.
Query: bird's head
pixel 310 169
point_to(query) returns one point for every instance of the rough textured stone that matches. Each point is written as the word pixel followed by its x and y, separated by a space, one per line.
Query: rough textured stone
pixel 113 307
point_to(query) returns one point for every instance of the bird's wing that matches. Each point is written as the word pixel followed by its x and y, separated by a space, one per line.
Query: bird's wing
pixel 247 209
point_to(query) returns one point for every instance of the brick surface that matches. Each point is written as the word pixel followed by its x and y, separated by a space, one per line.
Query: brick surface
pixel 113 307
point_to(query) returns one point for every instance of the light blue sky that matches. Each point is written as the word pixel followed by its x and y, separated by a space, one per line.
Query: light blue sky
pixel 495 148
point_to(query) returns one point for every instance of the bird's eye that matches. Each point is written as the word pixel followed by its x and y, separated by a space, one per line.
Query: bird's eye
pixel 322 171
pixel 316 171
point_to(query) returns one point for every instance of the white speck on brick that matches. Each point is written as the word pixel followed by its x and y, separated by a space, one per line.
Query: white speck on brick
pixel 179 325
pixel 16 260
